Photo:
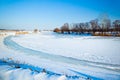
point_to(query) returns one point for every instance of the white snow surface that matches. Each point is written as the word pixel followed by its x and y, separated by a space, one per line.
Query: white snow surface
pixel 91 48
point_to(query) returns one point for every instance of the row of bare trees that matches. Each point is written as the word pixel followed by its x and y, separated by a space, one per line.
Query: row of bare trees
pixel 102 25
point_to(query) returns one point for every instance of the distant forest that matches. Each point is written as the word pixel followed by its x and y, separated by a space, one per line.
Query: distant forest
pixel 101 26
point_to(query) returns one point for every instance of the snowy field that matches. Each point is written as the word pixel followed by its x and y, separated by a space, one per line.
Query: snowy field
pixel 64 57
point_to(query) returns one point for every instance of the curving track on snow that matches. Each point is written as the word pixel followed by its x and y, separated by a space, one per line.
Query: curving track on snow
pixel 13 45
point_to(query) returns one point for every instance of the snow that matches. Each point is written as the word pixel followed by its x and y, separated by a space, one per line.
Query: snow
pixel 62 78
pixel 41 76
pixel 84 56
pixel 96 49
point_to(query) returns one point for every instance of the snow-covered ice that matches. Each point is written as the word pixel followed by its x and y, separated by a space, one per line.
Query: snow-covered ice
pixel 97 49
pixel 66 55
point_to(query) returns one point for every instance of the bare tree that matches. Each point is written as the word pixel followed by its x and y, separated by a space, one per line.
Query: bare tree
pixel 87 27
pixel 65 28
pixel 94 25
pixel 74 28
pixel 116 24
pixel 104 22
pixel 81 27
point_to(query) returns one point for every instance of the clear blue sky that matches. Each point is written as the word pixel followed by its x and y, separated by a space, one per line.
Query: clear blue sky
pixel 47 14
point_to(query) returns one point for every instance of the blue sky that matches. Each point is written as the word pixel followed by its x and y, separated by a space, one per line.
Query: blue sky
pixel 48 14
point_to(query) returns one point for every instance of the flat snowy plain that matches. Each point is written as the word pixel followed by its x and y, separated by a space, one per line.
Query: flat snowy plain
pixel 66 57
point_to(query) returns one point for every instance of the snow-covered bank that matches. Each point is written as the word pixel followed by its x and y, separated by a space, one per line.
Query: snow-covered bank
pixel 37 71
pixel 53 62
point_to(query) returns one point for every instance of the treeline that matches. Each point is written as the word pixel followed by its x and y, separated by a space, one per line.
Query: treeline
pixel 97 27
